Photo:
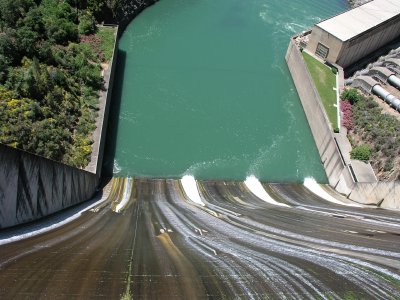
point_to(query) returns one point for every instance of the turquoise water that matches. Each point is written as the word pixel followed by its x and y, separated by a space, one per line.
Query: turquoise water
pixel 204 90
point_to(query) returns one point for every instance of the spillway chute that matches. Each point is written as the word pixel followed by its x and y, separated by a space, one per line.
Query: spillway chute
pixel 256 188
pixel 316 189
pixel 189 186
pixel 126 196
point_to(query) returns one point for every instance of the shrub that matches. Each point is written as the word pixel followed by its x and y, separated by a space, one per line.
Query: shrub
pixel 87 24
pixel 351 95
pixel 95 43
pixel 362 152
pixel 334 70
pixel 347 114
pixel 389 165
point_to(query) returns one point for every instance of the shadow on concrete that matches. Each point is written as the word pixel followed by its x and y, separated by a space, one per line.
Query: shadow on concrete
pixel 113 121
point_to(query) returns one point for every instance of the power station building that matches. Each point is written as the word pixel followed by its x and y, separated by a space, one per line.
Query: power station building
pixel 352 35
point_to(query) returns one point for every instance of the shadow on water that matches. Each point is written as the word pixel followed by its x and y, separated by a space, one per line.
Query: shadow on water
pixel 113 122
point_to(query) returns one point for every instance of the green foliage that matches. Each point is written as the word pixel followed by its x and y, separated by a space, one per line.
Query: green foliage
pixel 58 19
pixel 325 82
pixel 49 82
pixel 107 37
pixel 87 24
pixel 351 95
pixel 8 45
pixel 380 130
pixel 362 152
pixel 334 70
pixel 11 11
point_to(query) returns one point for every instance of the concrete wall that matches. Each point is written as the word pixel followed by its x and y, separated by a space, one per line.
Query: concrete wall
pixel 318 35
pixel 32 187
pixel 99 135
pixel 386 194
pixel 126 10
pixel 317 119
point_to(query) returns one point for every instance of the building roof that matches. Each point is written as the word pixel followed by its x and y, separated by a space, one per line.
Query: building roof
pixel 355 21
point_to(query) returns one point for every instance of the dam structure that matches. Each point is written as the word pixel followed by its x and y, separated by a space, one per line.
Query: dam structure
pixel 376 24
pixel 188 213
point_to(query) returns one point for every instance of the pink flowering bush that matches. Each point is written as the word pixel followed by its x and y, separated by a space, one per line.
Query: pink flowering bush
pixel 347 114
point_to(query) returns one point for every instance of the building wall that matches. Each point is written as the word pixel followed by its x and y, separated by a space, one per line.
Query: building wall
pixel 318 35
pixel 32 187
pixel 345 53
pixel 385 194
pixel 362 45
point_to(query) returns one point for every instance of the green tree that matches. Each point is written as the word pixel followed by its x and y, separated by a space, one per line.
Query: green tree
pixel 11 11
pixel 87 24
pixel 8 47
pixel 26 40
pixel 17 116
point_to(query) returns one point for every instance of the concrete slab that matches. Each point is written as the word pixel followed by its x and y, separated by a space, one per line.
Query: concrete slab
pixel 363 171
pixel 344 146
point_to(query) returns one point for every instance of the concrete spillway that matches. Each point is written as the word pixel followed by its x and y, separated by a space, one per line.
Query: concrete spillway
pixel 162 245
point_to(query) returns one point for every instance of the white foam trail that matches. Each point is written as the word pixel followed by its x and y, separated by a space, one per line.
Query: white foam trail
pixel 127 195
pixel 255 186
pixel 116 167
pixel 315 188
pixel 190 187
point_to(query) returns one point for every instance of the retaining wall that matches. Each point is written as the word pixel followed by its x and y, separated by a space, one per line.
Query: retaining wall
pixel 126 10
pixel 339 176
pixel 32 187
pixel 99 135
pixel 335 168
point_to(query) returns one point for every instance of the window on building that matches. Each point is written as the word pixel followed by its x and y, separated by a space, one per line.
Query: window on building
pixel 322 51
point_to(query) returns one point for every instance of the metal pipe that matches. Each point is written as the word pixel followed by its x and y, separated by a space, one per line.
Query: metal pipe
pixel 394 80
pixel 348 81
pixel 386 96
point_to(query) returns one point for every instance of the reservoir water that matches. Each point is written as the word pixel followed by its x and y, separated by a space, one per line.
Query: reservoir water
pixel 202 88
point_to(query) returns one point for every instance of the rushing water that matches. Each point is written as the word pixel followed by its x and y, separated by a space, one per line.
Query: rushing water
pixel 203 89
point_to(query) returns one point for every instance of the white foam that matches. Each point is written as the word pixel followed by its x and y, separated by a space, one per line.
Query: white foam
pixel 127 195
pixel 255 186
pixel 315 188
pixel 116 167
pixel 190 187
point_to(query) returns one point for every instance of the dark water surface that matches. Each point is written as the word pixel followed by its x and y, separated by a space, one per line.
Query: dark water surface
pixel 203 89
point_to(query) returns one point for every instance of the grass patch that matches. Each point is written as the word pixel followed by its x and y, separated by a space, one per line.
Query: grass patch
pixel 107 36
pixel 324 81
